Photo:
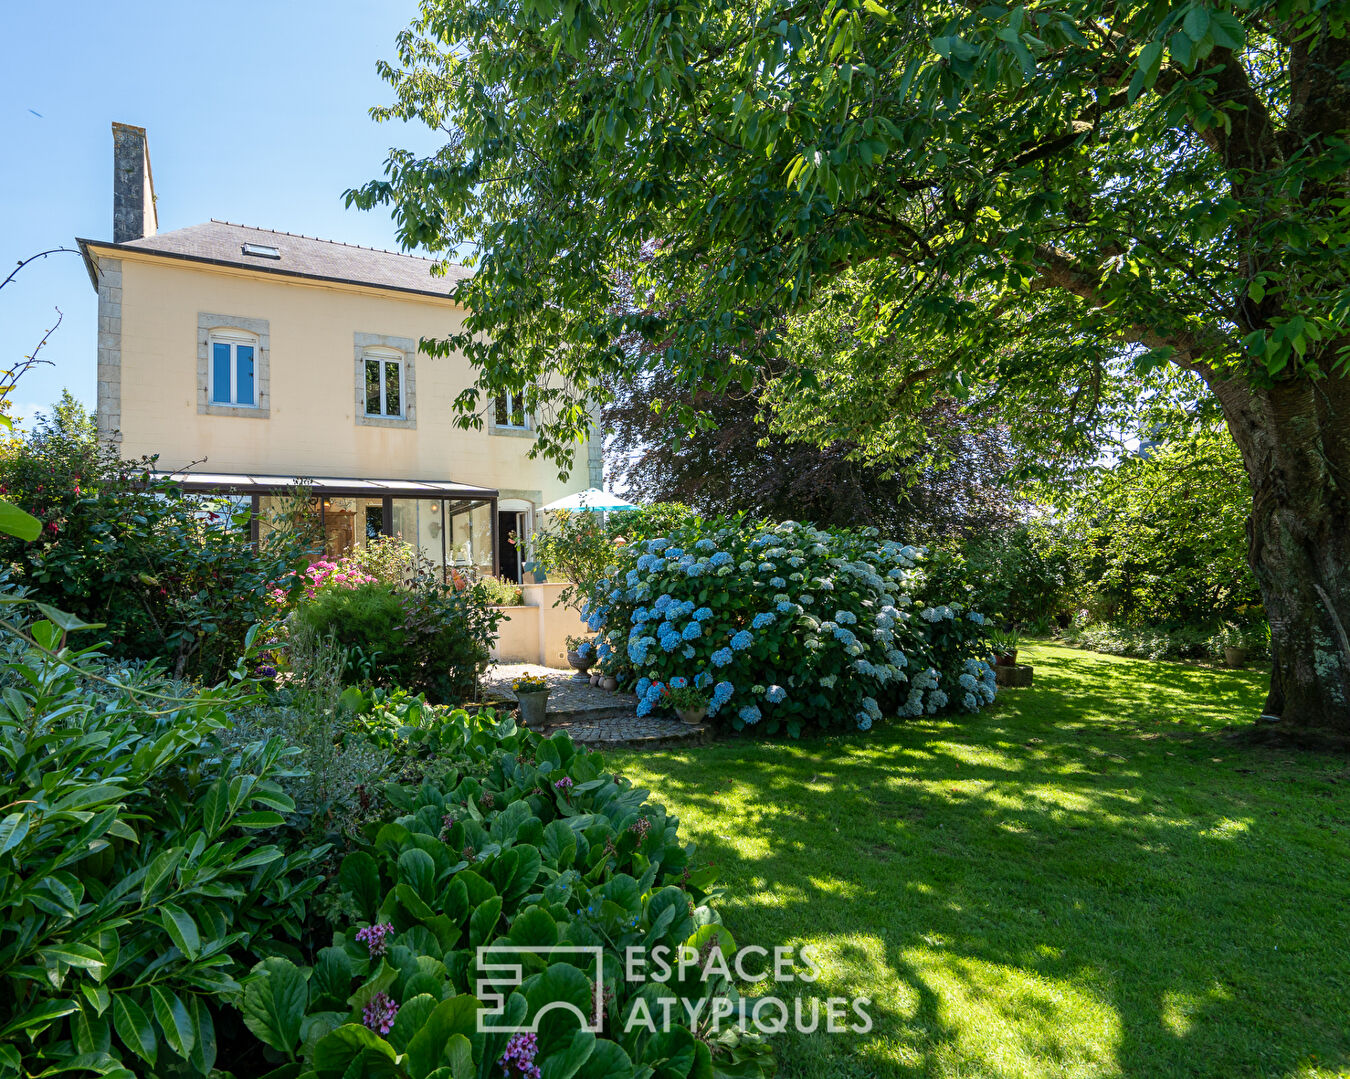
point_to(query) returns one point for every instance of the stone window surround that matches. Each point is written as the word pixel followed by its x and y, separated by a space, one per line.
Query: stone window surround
pixel 508 494
pixel 408 347
pixel 262 368
pixel 595 457
pixel 508 431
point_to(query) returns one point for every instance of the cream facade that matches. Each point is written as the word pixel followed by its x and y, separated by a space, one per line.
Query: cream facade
pixel 307 423
pixel 246 359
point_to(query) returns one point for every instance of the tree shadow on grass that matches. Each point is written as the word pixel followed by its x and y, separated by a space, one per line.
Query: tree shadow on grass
pixel 1070 885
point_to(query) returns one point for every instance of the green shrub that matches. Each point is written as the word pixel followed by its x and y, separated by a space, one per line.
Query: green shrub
pixel 649 521
pixel 1254 639
pixel 521 842
pixel 1019 576
pixel 139 872
pixel 334 760
pixel 576 546
pixel 369 617
pixel 173 576
pixel 390 559
pixel 499 592
pixel 426 639
pixel 448 642
pixel 1165 642
pixel 1161 537
pixel 394 719
pixel 571 547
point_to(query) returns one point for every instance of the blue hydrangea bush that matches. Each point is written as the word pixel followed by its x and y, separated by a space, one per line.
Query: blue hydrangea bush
pixel 788 627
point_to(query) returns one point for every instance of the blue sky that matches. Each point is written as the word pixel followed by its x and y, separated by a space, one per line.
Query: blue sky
pixel 256 112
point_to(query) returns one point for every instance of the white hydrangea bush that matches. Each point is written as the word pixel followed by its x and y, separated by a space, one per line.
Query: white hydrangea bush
pixel 788 627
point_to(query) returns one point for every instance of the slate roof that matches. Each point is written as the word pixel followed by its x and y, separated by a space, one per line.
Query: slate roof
pixel 222 243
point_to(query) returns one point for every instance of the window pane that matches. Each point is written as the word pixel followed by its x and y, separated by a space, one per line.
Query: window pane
pixel 500 408
pixel 518 410
pixel 372 387
pixel 393 405
pixel 243 362
pixel 220 373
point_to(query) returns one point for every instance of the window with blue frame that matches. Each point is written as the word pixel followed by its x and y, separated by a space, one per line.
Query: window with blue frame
pixel 234 357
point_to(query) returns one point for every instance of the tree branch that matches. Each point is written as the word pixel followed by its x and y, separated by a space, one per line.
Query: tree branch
pixel 33 258
pixel 1066 272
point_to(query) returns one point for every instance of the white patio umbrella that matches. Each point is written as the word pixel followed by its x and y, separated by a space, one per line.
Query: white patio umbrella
pixel 592 499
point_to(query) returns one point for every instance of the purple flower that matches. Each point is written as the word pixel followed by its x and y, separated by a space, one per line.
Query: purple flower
pixel 518 1060
pixel 373 936
pixel 564 784
pixel 379 1014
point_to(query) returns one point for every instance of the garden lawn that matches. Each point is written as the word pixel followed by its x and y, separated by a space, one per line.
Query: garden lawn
pixel 1090 879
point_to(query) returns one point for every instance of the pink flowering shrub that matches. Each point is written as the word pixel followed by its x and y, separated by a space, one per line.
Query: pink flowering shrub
pixel 317 577
pixel 344 573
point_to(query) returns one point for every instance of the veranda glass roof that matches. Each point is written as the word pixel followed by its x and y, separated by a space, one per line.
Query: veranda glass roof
pixel 254 484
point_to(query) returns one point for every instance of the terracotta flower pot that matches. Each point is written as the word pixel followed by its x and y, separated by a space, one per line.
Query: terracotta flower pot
pixel 1006 659
pixel 534 709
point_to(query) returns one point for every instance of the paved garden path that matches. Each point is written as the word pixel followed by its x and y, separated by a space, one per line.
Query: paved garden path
pixel 591 715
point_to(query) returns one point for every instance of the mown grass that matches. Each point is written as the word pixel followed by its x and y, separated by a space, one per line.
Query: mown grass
pixel 1091 879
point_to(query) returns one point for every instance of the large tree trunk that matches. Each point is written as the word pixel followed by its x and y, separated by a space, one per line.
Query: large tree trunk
pixel 1295 442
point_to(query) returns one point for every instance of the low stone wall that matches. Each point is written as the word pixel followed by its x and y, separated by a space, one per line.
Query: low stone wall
pixel 517 636
pixel 537 631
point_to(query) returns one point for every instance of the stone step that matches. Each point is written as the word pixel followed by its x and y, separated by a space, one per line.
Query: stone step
pixel 596 717
pixel 592 715
pixel 589 711
pixel 632 733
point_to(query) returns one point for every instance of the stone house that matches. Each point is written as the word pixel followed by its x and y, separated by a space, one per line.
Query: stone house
pixel 248 359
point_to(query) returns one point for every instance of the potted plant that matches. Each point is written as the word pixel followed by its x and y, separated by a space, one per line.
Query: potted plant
pixel 690 704
pixel 1233 641
pixel 1004 644
pixel 581 656
pixel 532 693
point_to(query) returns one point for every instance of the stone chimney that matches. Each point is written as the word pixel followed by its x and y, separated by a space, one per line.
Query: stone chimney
pixel 133 187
